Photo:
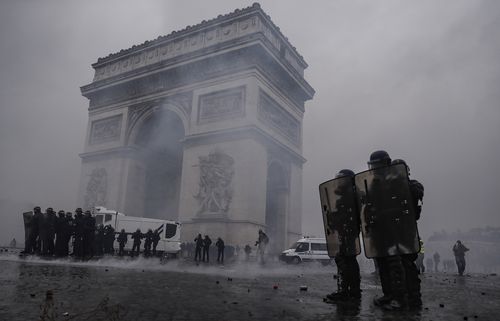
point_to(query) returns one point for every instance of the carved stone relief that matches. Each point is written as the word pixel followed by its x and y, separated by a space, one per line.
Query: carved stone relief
pixel 96 191
pixel 221 105
pixel 106 130
pixel 272 114
pixel 215 187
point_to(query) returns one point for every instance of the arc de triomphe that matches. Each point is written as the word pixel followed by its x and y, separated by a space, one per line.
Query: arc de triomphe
pixel 202 126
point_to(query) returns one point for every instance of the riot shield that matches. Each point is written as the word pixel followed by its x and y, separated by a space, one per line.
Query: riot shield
pixel 340 216
pixel 28 219
pixel 388 221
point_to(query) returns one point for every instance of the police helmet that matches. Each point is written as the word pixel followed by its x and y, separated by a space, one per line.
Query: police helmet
pixel 79 210
pixel 37 209
pixel 400 161
pixel 49 210
pixel 345 172
pixel 61 212
pixel 379 158
pixel 87 212
pixel 68 214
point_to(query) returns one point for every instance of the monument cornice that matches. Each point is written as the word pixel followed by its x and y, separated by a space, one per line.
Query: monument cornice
pixel 250 131
pixel 155 79
pixel 205 34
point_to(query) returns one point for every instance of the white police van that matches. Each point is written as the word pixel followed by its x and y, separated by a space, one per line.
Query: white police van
pixel 307 249
pixel 170 231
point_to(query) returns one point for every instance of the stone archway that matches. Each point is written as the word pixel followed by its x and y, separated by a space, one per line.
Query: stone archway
pixel 276 206
pixel 159 149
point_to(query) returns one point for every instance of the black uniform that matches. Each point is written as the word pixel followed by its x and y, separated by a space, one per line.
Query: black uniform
pixel 88 234
pixel 109 239
pixel 122 240
pixel 79 231
pixel 220 250
pixel 156 239
pixel 199 245
pixel 459 251
pixel 206 247
pixel 60 233
pixel 136 236
pixel 148 240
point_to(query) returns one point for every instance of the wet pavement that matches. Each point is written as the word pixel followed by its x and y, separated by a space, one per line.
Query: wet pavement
pixel 113 289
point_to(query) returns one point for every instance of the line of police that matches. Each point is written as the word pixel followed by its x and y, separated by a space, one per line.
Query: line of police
pixel 49 234
pixel 384 204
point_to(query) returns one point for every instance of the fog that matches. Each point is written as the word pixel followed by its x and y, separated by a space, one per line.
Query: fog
pixel 419 79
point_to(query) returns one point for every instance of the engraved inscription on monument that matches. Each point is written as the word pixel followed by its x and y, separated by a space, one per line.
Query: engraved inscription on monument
pixel 106 130
pixel 215 188
pixel 221 105
pixel 276 117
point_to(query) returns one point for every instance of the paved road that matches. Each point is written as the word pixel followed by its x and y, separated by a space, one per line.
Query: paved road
pixel 112 289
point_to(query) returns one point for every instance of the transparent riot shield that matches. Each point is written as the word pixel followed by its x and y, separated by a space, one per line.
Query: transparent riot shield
pixel 340 216
pixel 388 221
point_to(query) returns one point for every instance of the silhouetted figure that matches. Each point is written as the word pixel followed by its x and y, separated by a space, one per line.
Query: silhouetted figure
pixel 99 240
pixel 248 251
pixel 79 231
pixel 206 248
pixel 68 229
pixel 436 258
pixel 459 250
pixel 60 233
pixel 199 245
pixel 88 234
pixel 156 239
pixel 148 241
pixel 136 236
pixel 262 242
pixel 32 225
pixel 49 228
pixel 220 250
pixel 109 239
pixel 122 240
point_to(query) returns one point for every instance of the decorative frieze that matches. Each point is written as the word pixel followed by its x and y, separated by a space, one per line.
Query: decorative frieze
pixel 105 130
pixel 215 191
pixel 97 186
pixel 178 47
pixel 276 117
pixel 224 104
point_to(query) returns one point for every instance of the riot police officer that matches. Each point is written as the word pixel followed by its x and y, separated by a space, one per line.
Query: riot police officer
pixel 49 227
pixel 79 231
pixel 409 260
pixel 122 240
pixel 381 193
pixel 148 240
pixel 341 218
pixel 156 239
pixel 136 236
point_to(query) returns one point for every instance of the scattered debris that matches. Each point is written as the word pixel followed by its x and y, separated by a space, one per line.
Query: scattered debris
pixel 32 295
pixel 235 302
pixel 216 282
pixel 230 279
pixel 303 288
pixel 275 287
pixel 66 314
pixel 441 305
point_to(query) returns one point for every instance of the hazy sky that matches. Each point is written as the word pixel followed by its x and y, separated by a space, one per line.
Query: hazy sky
pixel 420 79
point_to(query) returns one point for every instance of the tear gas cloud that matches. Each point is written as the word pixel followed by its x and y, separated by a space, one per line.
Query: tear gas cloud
pixel 419 80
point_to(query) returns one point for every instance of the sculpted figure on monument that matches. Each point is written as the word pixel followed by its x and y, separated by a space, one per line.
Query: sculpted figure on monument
pixel 96 188
pixel 215 190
